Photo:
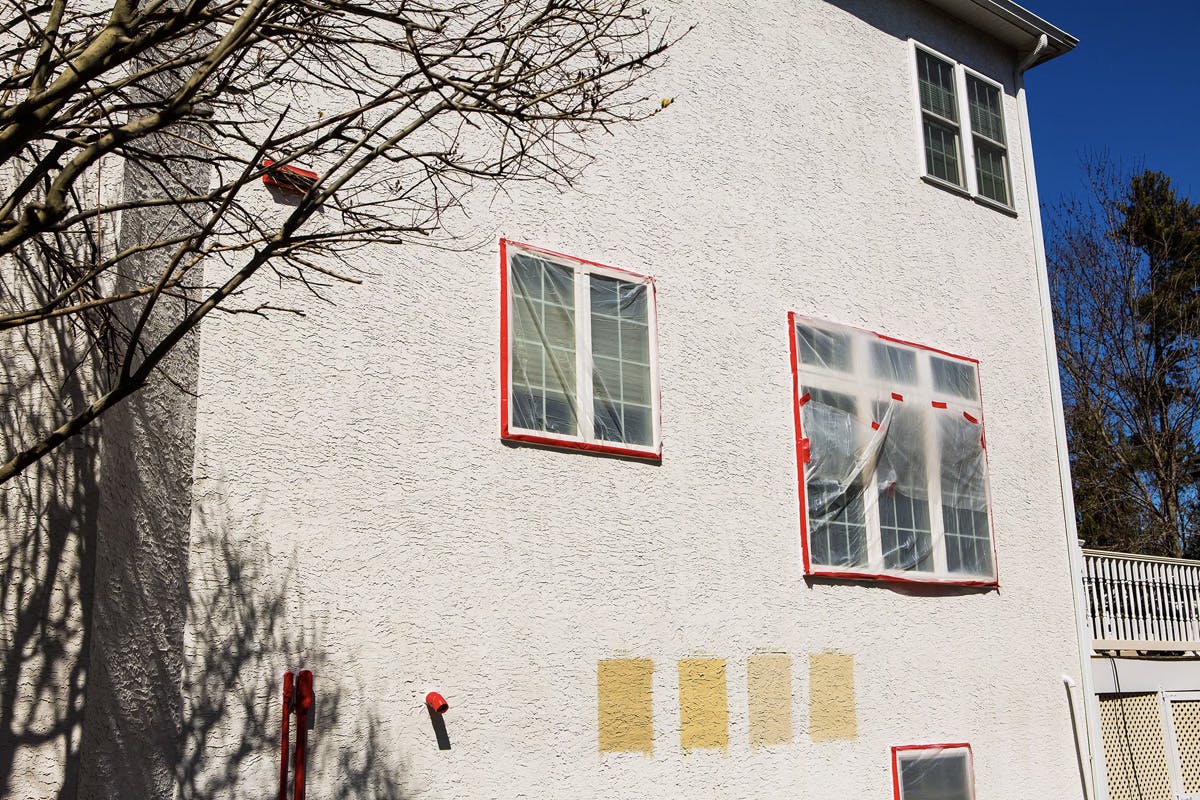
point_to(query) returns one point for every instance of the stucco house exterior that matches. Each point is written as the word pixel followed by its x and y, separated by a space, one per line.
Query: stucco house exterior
pixel 739 471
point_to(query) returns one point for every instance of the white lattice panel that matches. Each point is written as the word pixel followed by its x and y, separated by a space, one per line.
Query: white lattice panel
pixel 1133 747
pixel 1185 715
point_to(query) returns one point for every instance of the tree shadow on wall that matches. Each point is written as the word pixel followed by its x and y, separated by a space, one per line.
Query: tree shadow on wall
pixel 48 521
pixel 244 630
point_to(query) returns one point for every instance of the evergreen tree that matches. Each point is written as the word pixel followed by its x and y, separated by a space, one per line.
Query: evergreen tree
pixel 1125 272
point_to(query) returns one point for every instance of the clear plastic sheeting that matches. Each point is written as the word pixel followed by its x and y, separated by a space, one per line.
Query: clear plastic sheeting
pixel 621 396
pixel 892 458
pixel 544 396
pixel 937 772
pixel 580 346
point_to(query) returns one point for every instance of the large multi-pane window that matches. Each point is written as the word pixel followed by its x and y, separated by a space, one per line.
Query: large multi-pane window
pixel 933 772
pixel 948 93
pixel 578 370
pixel 891 449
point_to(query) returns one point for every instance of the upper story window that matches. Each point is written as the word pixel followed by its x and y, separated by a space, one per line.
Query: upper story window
pixel 949 94
pixel 933 772
pixel 893 474
pixel 578 364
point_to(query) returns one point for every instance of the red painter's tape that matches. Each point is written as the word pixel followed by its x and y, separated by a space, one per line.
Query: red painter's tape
pixel 589 447
pixel 970 419
pixel 805 398
pixel 874 425
pixel 805 446
pixel 990 583
pixel 899 398
pixel 938 404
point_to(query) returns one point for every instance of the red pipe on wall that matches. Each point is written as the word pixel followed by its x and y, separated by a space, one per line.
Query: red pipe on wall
pixel 283 746
pixel 304 703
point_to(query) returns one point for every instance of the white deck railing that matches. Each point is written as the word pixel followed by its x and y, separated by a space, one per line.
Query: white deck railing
pixel 1142 602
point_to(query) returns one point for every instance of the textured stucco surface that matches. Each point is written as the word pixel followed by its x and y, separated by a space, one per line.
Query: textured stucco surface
pixel 356 452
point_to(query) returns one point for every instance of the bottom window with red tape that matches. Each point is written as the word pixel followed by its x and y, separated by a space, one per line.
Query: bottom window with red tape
pixel 933 772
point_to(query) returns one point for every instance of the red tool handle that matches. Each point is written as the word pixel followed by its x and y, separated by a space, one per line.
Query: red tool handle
pixel 283 746
pixel 304 702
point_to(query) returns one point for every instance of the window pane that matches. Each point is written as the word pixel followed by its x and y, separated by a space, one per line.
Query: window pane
pixel 987 112
pixel 893 363
pixel 941 152
pixel 902 484
pixel 936 80
pixel 991 172
pixel 828 349
pixel 941 776
pixel 543 346
pixel 837 528
pixel 964 496
pixel 954 377
pixel 621 355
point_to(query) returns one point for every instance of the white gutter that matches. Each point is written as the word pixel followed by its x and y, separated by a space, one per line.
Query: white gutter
pixel 1012 24
pixel 1089 701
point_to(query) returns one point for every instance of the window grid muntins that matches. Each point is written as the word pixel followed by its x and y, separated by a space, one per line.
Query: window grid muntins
pixel 580 353
pixel 838 523
pixel 621 356
pixel 919 517
pixel 939 107
pixel 543 359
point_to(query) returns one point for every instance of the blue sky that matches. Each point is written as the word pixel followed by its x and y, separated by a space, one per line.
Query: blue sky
pixel 1131 87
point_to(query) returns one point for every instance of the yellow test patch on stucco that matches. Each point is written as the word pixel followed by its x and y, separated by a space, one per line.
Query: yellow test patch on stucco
pixel 831 712
pixel 703 704
pixel 623 701
pixel 769 689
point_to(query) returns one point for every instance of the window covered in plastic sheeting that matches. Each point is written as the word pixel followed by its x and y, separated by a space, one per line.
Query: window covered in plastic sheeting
pixel 893 473
pixel 578 367
pixel 933 772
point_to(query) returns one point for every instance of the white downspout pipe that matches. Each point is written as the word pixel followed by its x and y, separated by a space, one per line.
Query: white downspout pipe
pixel 1089 701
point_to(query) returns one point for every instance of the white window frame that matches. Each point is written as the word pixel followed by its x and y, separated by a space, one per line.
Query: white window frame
pixel 912 752
pixel 966 132
pixel 582 270
pixel 922 394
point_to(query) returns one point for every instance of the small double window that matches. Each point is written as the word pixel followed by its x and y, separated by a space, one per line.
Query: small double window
pixel 949 93
pixel 579 360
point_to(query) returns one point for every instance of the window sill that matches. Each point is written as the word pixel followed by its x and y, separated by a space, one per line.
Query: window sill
pixel 994 205
pixel 599 448
pixel 927 580
pixel 953 188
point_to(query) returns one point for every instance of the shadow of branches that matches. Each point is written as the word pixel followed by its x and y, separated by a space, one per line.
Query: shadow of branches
pixel 48 522
pixel 244 629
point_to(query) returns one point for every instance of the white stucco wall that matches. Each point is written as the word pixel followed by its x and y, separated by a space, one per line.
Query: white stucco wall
pixel 360 448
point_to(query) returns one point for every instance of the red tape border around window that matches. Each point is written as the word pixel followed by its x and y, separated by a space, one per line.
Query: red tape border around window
pixel 797 401
pixel 898 749
pixel 506 433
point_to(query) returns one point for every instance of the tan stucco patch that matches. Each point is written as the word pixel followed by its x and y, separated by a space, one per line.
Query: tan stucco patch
pixel 769 690
pixel 703 704
pixel 831 697
pixel 624 708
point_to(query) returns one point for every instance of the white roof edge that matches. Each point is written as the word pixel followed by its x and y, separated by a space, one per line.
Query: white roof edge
pixel 1012 24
